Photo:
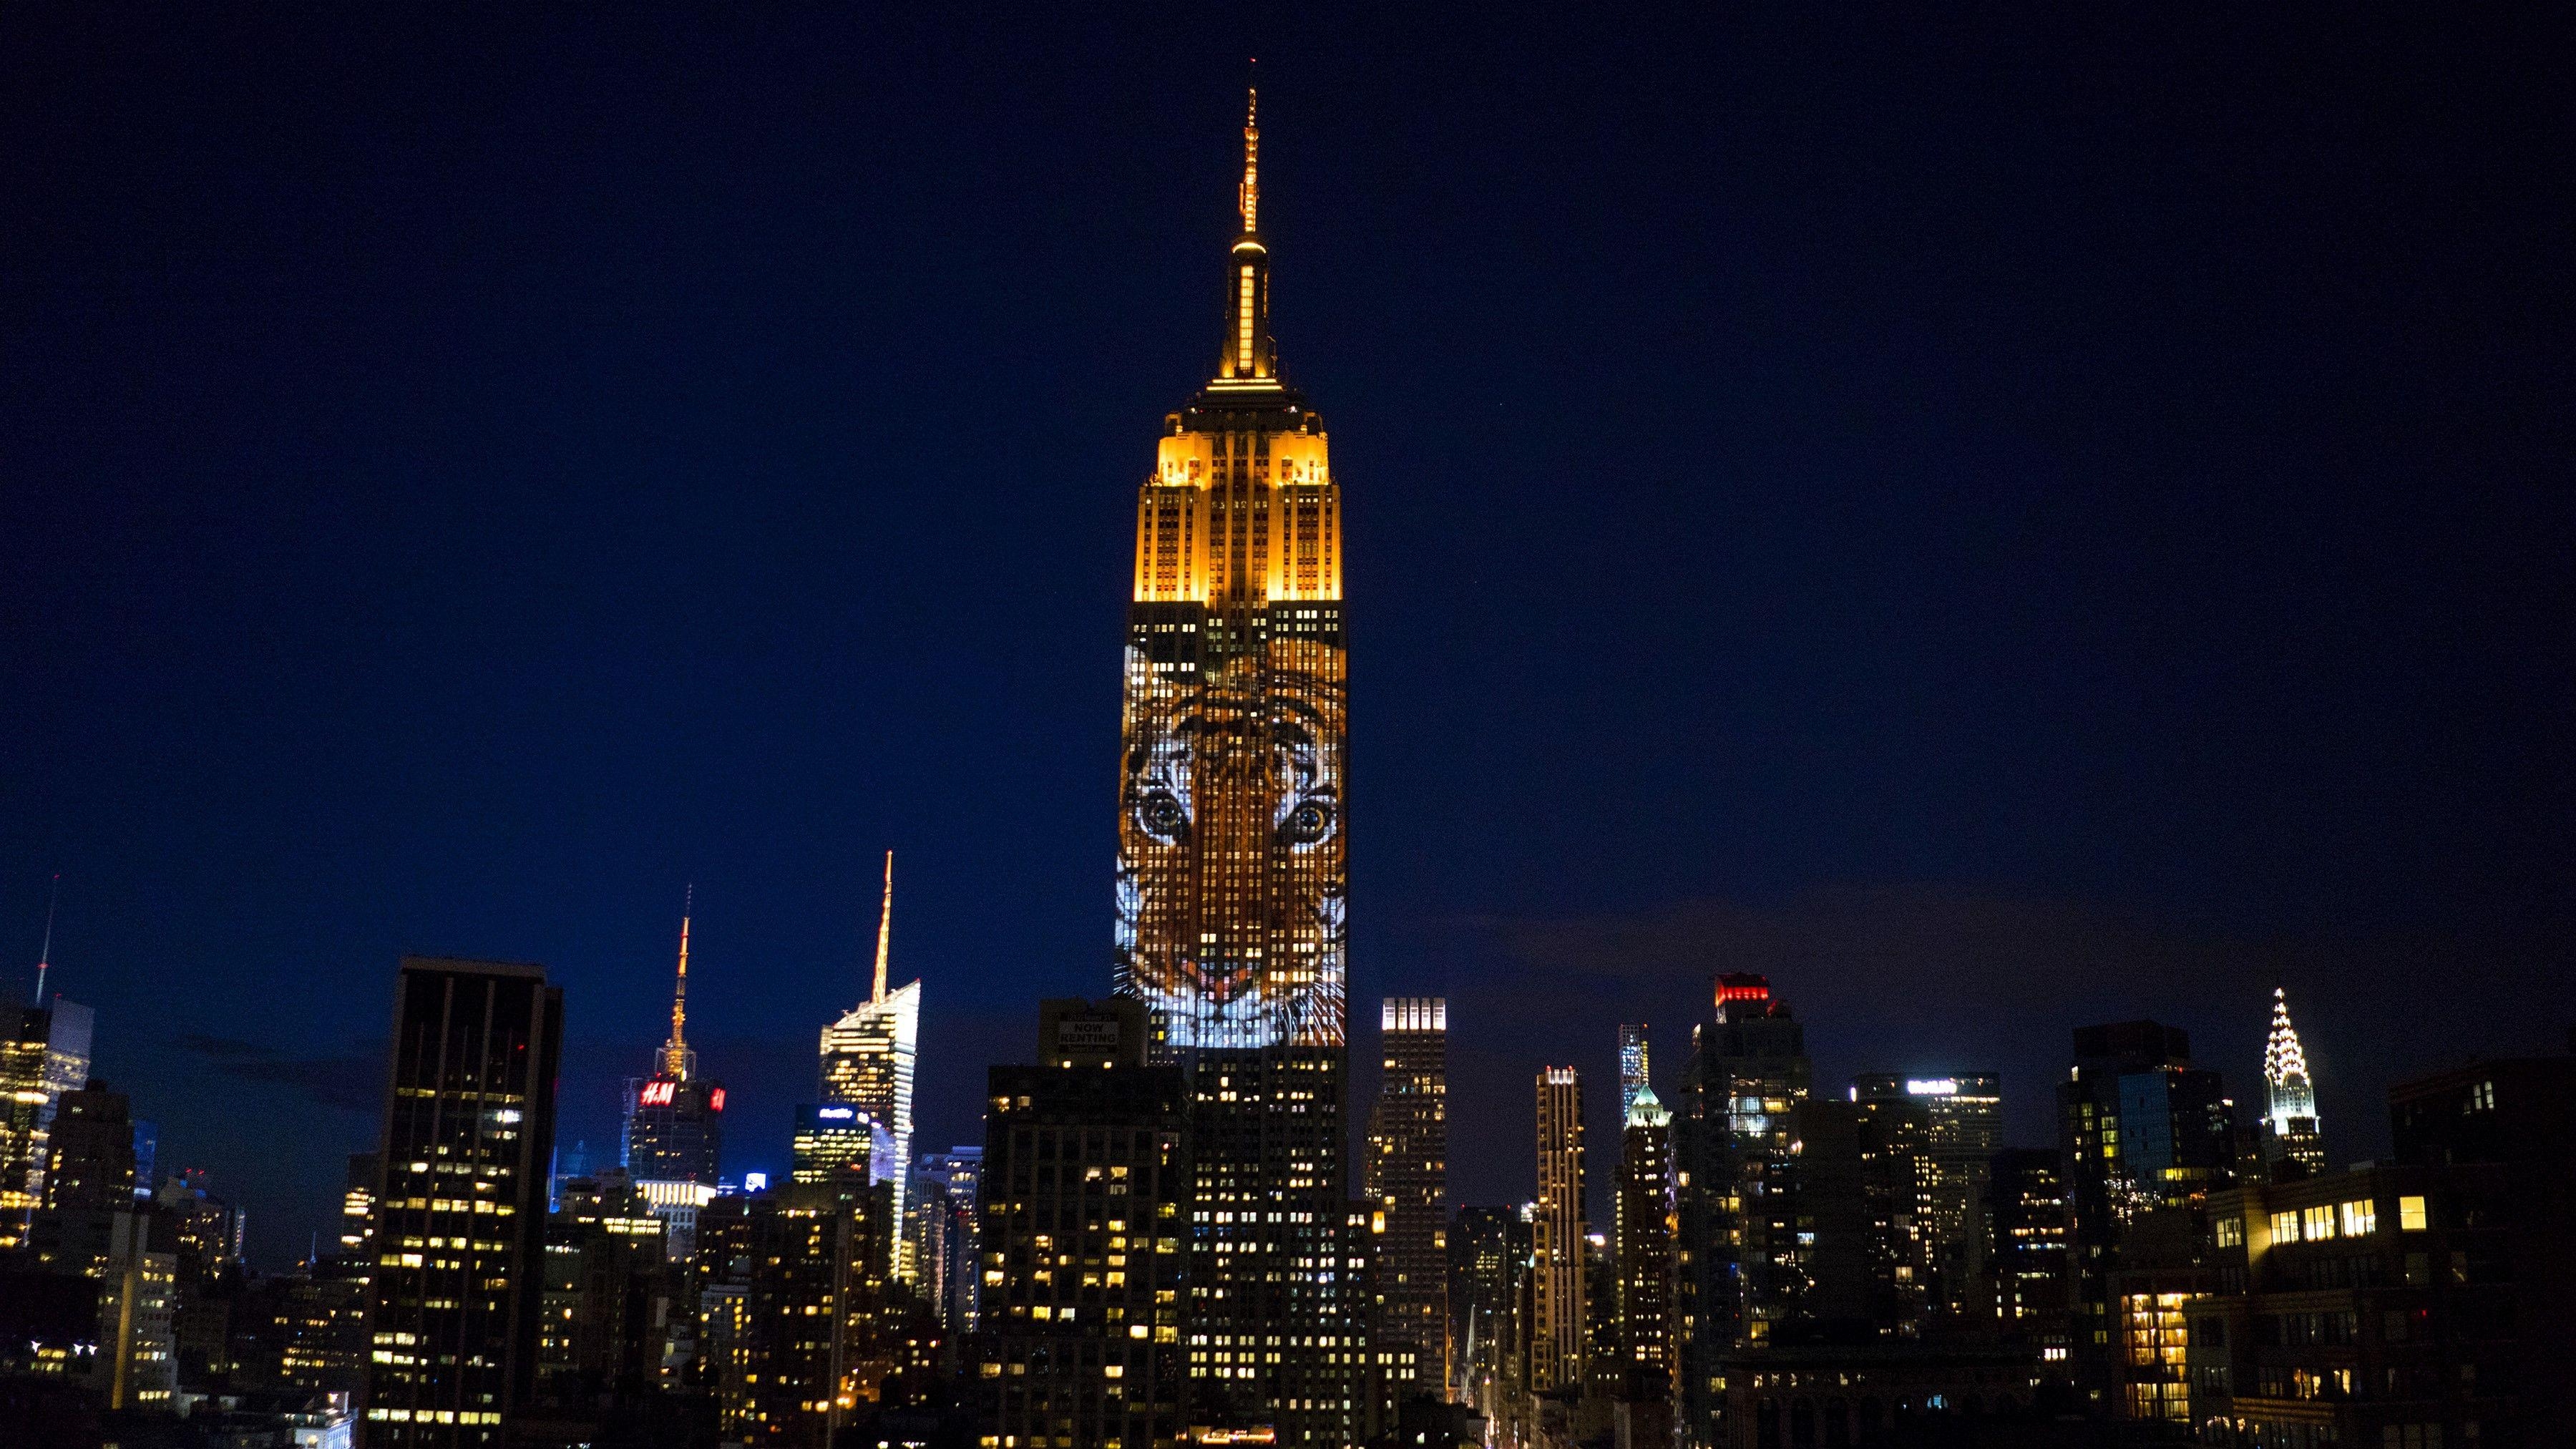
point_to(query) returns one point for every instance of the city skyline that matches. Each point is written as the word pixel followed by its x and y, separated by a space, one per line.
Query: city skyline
pixel 687 753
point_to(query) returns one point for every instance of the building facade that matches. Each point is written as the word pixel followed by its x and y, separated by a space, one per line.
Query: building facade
pixel 1406 1178
pixel 1230 882
pixel 461 1208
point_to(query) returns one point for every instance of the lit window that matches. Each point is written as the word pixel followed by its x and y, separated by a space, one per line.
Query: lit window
pixel 2317 1224
pixel 2360 1219
pixel 2410 1215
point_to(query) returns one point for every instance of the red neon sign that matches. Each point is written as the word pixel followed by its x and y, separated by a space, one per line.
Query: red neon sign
pixel 715 1100
pixel 657 1094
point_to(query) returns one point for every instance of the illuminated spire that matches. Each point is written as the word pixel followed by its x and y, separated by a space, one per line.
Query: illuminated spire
pixel 2290 1099
pixel 2283 1058
pixel 1247 359
pixel 885 929
pixel 45 953
pixel 677 1060
pixel 1247 197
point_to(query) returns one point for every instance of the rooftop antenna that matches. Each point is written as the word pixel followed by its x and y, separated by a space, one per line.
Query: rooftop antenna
pixel 1248 195
pixel 676 1056
pixel 885 928
pixel 45 955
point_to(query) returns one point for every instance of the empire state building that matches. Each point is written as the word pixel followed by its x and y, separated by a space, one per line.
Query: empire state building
pixel 1231 873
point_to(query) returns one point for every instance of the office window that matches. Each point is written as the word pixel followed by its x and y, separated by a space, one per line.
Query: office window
pixel 2317 1224
pixel 2360 1218
pixel 2411 1217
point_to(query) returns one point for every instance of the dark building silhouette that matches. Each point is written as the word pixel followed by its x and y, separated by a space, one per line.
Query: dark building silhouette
pixel 461 1208
pixel 92 1151
pixel 1965 1112
pixel 2139 1129
pixel 2030 1264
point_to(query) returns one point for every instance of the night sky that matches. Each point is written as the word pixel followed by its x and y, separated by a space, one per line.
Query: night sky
pixel 2002 524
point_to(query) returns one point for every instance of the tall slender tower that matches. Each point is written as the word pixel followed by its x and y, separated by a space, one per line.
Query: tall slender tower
pixel 674 1118
pixel 1557 1333
pixel 1230 856
pixel 2290 1131
pixel 867 1064
pixel 1648 1347
pixel 1407 1177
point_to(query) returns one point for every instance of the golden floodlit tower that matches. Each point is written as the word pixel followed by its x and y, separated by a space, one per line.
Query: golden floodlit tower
pixel 1230 861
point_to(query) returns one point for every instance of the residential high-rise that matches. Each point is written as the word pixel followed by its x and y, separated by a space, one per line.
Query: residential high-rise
pixel 868 1057
pixel 1559 1347
pixel 1230 877
pixel 1087 1189
pixel 461 1210
pixel 2139 1128
pixel 1965 1117
pixel 1648 1345
pixel 2290 1130
pixel 675 1118
pixel 1406 1177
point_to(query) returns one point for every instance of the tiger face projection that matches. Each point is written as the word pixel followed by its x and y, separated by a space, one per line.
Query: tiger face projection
pixel 1230 848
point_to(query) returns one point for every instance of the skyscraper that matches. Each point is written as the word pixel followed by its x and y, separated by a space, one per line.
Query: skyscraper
pixel 1633 1072
pixel 2290 1129
pixel 675 1118
pixel 1966 1112
pixel 44 1052
pixel 1744 1268
pixel 867 1063
pixel 1558 1345
pixel 1230 877
pixel 1647 1343
pixel 461 1214
pixel 1407 1172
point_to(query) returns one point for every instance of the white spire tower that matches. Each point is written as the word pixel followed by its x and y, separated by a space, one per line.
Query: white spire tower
pixel 2290 1100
